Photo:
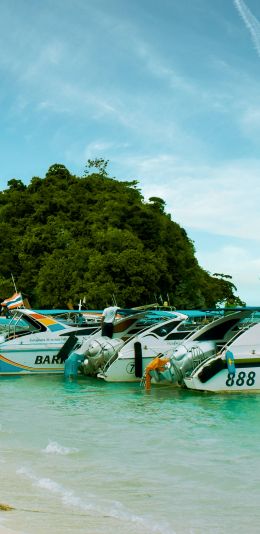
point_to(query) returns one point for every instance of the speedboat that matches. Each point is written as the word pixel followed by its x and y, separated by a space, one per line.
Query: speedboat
pixel 206 344
pixel 131 359
pixel 32 342
pixel 92 353
pixel 35 342
pixel 235 368
pixel 123 359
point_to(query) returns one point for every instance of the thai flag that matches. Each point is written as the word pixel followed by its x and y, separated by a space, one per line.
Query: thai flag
pixel 16 301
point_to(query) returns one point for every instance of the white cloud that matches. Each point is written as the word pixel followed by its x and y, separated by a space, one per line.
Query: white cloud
pixel 99 148
pixel 222 199
pixel 250 120
pixel 242 264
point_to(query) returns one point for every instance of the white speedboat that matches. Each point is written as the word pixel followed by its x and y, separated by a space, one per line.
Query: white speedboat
pixel 92 353
pixel 32 342
pixel 124 359
pixel 129 363
pixel 234 368
pixel 207 342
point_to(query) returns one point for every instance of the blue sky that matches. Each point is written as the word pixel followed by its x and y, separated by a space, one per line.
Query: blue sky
pixel 167 91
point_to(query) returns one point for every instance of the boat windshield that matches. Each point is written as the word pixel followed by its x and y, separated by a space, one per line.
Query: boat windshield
pixel 21 325
pixel 166 328
pixel 233 326
pixel 75 318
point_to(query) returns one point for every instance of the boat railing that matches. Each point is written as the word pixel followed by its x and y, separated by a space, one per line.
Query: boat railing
pixel 197 356
pixel 18 326
pixel 110 360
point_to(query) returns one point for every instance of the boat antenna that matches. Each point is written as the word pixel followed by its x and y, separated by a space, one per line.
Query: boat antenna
pixel 114 299
pixel 14 283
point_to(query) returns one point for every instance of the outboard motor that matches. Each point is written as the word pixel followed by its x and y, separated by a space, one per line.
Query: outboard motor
pixel 186 358
pixel 98 353
pixel 72 364
pixel 73 361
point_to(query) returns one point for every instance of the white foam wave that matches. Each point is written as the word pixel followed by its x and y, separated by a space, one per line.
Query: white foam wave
pixel 54 448
pixel 114 509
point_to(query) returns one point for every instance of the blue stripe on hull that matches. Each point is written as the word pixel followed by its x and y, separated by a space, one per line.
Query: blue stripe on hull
pixel 15 368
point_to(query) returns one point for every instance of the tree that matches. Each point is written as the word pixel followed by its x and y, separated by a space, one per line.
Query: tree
pixel 64 237
pixel 99 164
pixel 158 203
pixel 16 185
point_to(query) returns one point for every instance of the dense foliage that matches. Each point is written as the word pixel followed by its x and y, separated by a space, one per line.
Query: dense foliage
pixel 65 238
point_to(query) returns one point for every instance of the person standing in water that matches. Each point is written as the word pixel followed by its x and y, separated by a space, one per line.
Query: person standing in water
pixel 107 320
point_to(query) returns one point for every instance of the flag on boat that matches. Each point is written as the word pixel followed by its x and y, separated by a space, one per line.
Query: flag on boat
pixel 16 301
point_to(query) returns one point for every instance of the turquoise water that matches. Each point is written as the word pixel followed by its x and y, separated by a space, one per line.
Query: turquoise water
pixel 89 457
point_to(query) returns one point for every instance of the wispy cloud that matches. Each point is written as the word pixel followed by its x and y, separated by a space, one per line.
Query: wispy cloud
pixel 158 67
pixel 251 23
pixel 250 121
pixel 46 60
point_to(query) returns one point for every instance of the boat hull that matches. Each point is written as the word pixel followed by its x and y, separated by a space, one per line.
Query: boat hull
pixel 246 378
pixel 123 370
pixel 31 359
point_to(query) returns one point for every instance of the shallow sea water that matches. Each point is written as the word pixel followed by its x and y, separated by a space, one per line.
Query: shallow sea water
pixel 87 457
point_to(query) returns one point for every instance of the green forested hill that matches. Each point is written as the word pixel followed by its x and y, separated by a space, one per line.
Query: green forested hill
pixel 65 237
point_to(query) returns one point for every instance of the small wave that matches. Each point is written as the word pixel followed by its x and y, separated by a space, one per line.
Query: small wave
pixel 115 510
pixel 54 448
